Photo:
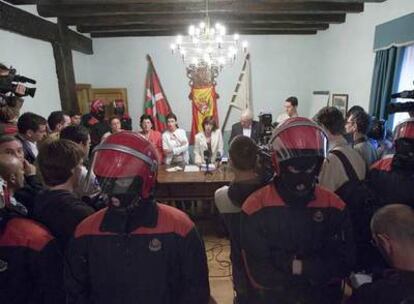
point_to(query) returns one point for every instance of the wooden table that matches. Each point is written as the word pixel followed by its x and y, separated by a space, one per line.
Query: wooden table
pixel 190 185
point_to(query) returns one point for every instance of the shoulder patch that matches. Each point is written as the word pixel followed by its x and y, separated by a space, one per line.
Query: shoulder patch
pixel 262 198
pixel 91 225
pixel 170 220
pixel 326 199
pixel 383 164
pixel 23 232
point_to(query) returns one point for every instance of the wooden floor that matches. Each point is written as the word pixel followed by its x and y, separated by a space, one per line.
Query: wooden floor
pixel 218 258
pixel 219 265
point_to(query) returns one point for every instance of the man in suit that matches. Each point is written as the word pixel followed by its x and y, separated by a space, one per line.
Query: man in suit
pixel 32 129
pixel 247 127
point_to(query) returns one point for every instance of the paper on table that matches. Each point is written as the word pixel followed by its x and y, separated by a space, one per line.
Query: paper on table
pixel 174 169
pixel 191 168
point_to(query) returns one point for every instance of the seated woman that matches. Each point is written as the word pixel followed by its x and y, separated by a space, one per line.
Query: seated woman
pixel 208 140
pixel 147 131
pixel 175 143
pixel 115 125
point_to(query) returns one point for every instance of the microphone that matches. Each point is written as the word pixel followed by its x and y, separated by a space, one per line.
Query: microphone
pixel 218 159
pixel 403 94
pixel 207 159
pixel 207 156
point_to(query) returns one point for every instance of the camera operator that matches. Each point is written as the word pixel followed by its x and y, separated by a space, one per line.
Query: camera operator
pixel 6 87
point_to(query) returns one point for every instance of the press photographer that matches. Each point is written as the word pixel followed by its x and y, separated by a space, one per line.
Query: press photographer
pixel 11 83
pixel 11 93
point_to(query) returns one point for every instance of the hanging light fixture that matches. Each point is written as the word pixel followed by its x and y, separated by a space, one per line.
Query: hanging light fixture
pixel 208 46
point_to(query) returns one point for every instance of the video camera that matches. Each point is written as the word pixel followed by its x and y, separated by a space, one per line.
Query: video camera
pixel 398 107
pixel 265 128
pixel 9 84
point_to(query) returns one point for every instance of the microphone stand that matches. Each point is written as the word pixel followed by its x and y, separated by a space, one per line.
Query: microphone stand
pixel 207 158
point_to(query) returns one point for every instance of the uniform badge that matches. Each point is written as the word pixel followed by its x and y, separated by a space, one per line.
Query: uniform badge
pixel 3 266
pixel 318 216
pixel 155 245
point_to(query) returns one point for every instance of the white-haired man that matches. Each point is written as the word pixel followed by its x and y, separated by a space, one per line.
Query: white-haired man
pixel 247 127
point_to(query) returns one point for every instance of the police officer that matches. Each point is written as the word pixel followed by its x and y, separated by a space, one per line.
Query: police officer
pixel 392 178
pixel 31 268
pixel 95 121
pixel 135 250
pixel 296 236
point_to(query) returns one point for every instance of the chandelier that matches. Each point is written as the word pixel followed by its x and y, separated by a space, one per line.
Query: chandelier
pixel 208 46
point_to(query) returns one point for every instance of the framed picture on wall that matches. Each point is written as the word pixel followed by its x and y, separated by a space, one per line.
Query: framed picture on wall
pixel 340 101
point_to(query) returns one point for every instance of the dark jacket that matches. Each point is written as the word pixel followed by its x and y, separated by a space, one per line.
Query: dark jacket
pixel 396 287
pixel 28 154
pixel 319 234
pixel 390 184
pixel 237 129
pixel 151 254
pixel 61 211
pixel 229 201
pixel 27 194
pixel 31 266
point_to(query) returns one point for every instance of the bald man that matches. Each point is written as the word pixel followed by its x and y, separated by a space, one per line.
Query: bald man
pixel 392 230
pixel 12 172
pixel 10 145
pixel 30 262
pixel 247 127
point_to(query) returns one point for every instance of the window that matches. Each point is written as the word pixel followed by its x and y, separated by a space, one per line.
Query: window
pixel 406 81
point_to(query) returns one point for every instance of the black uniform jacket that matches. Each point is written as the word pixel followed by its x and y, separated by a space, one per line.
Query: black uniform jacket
pixel 391 185
pixel 319 234
pixel 31 266
pixel 150 255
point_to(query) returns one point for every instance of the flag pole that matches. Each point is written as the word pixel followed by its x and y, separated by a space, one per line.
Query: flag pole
pixel 232 102
pixel 149 59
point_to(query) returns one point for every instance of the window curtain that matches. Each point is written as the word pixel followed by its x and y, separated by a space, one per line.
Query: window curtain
pixel 385 79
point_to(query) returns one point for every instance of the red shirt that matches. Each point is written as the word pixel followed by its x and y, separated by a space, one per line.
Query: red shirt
pixel 155 138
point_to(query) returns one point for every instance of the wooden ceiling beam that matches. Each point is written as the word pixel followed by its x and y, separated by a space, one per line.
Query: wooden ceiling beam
pixel 21 22
pixel 185 19
pixel 49 8
pixel 21 2
pixel 100 2
pixel 170 33
pixel 231 28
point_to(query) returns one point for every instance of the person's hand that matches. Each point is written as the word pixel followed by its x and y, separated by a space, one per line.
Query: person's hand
pixel 20 89
pixel 297 267
pixel 29 169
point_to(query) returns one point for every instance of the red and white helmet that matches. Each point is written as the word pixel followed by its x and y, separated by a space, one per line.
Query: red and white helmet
pixel 126 162
pixel 405 129
pixel 97 106
pixel 296 138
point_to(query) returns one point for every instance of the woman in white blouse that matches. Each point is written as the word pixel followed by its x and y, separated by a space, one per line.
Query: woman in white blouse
pixel 208 140
pixel 174 143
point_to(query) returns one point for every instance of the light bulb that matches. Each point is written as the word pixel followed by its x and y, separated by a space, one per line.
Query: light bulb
pixel 202 25
pixel 236 37
pixel 218 26
pixel 245 44
pixel 191 30
pixel 173 47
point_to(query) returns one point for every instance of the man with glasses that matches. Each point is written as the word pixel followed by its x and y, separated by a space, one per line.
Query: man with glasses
pixel 358 125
